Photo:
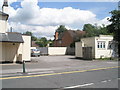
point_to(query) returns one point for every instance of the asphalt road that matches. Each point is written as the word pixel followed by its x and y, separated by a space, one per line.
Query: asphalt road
pixel 95 78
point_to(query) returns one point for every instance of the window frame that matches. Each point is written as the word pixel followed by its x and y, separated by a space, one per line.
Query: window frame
pixel 101 44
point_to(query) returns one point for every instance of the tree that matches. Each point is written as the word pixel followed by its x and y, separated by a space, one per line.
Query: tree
pixel 114 27
pixel 94 30
pixel 33 38
pixel 90 30
pixel 42 42
pixel 61 29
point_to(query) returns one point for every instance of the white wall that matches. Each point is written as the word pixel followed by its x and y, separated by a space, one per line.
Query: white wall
pixel 26 51
pixel 3 24
pixel 105 52
pixel 57 50
pixel 92 42
pixel 17 51
pixel 9 51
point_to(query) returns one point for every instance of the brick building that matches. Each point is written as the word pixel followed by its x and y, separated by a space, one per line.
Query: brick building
pixel 66 38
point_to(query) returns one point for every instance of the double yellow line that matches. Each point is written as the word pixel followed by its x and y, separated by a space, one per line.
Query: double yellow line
pixel 70 72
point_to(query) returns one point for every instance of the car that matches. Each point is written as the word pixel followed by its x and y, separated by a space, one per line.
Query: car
pixel 35 52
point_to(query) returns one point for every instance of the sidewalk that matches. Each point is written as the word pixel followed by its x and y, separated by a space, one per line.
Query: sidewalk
pixel 50 64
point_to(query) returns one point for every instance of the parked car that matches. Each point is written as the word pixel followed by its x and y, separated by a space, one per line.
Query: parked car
pixel 35 52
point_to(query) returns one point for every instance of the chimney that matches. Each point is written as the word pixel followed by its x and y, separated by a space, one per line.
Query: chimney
pixel 56 35
pixel 5 7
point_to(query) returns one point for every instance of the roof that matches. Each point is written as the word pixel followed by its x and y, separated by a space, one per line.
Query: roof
pixel 11 37
pixel 76 35
pixel 4 14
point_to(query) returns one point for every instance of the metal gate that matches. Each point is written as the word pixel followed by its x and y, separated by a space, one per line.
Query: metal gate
pixel 87 53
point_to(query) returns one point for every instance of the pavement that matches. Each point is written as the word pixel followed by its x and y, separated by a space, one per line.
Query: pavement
pixel 54 64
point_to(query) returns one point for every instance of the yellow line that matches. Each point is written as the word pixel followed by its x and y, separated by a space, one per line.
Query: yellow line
pixel 58 73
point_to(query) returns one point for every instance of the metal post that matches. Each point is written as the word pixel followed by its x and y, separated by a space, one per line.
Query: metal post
pixel 23 66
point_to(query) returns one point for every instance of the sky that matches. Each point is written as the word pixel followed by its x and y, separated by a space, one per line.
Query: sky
pixel 42 18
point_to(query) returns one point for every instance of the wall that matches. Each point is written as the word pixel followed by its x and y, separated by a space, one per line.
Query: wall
pixel 66 40
pixel 43 50
pixel 26 52
pixel 78 49
pixel 57 50
pixel 103 52
pixel 89 42
pixel 6 50
pixel 20 51
pixel 70 50
pixel 92 42
pixel 3 24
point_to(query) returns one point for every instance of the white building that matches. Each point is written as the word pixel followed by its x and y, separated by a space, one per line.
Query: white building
pixel 14 47
pixel 96 47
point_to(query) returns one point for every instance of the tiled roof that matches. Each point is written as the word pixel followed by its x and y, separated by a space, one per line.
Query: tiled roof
pixel 74 34
pixel 11 37
pixel 4 14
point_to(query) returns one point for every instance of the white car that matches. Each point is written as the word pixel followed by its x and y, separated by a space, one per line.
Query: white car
pixel 35 52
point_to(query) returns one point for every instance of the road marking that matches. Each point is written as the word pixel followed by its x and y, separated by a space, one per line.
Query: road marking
pixel 109 80
pixel 40 72
pixel 104 81
pixel 50 74
pixel 78 86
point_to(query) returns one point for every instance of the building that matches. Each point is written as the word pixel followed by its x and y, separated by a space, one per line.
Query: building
pixel 94 47
pixel 66 38
pixel 14 47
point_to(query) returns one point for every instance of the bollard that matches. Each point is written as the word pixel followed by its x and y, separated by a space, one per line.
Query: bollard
pixel 23 66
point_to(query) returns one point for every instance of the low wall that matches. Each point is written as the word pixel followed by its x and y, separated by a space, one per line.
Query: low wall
pixel 57 50
pixel 70 51
pixel 52 50
pixel 43 50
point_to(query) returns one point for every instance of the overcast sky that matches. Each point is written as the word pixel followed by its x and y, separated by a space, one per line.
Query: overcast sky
pixel 43 17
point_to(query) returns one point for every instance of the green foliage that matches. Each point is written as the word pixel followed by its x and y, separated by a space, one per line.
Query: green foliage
pixel 43 42
pixel 114 27
pixel 28 33
pixel 61 29
pixel 94 30
pixel 33 38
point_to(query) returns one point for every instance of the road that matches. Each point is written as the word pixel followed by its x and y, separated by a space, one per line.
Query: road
pixel 91 78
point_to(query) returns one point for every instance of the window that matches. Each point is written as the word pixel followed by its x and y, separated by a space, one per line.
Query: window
pixel 101 44
pixel 110 45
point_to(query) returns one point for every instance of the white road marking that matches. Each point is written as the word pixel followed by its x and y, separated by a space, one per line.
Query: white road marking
pixel 77 86
pixel 104 81
pixel 109 80
pixel 41 72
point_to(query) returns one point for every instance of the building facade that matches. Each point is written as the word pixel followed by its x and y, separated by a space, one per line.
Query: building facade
pixel 14 47
pixel 66 38
pixel 101 47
